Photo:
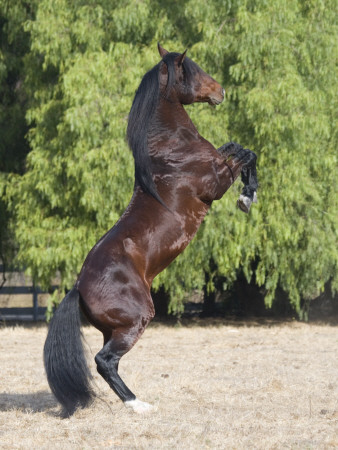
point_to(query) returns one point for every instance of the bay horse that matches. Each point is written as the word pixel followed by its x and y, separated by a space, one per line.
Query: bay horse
pixel 178 174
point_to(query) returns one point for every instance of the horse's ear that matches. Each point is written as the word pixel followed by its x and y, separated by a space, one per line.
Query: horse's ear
pixel 161 50
pixel 181 58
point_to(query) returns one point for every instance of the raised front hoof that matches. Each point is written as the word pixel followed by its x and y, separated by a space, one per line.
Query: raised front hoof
pixel 139 407
pixel 244 203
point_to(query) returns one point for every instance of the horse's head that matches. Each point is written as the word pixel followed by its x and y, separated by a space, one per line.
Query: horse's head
pixel 183 79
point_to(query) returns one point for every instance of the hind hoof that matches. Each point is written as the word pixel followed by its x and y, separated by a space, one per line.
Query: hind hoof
pixel 139 407
pixel 244 203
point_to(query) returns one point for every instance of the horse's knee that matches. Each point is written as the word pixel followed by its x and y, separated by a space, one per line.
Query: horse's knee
pixel 244 157
pixel 230 149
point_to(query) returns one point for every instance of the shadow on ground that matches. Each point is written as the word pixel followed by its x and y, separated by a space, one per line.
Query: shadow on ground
pixel 40 401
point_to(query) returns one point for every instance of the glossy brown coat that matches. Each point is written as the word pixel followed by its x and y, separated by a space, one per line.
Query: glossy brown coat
pixel 188 174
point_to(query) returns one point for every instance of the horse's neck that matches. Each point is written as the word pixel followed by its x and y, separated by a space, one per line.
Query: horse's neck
pixel 171 122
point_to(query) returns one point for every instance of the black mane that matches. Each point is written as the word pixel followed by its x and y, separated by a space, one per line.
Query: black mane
pixel 140 117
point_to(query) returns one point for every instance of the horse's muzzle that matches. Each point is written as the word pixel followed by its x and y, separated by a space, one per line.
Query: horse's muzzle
pixel 217 98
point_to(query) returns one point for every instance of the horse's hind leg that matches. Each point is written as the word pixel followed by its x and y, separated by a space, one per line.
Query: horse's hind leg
pixel 107 361
pixel 121 310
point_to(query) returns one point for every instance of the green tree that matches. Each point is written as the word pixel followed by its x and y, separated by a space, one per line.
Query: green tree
pixel 282 104
pixel 276 62
pixel 14 45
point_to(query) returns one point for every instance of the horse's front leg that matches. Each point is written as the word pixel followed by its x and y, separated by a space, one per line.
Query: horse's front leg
pixel 249 192
pixel 238 158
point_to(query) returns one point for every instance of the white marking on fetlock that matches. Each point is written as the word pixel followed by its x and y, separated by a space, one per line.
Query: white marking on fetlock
pixel 254 198
pixel 244 203
pixel 138 406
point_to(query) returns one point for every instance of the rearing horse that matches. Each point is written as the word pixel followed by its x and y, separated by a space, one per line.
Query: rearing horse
pixel 178 174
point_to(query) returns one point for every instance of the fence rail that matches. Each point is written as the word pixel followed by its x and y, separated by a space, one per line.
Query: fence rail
pixel 33 313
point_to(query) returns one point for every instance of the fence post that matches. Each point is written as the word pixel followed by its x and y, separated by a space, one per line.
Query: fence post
pixel 35 303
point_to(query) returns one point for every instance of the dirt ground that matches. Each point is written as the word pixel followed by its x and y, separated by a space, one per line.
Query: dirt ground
pixel 229 386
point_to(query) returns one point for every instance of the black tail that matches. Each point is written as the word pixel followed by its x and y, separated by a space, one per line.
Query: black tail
pixel 64 357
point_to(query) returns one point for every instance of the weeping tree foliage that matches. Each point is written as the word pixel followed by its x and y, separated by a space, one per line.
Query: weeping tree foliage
pixel 14 45
pixel 276 62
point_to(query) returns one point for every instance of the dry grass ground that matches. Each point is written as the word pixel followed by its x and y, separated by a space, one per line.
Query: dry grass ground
pixel 218 386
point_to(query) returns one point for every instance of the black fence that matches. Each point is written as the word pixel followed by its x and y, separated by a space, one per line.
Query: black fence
pixel 32 313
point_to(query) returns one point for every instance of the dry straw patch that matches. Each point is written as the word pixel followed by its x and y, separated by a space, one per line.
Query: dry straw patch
pixel 225 386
